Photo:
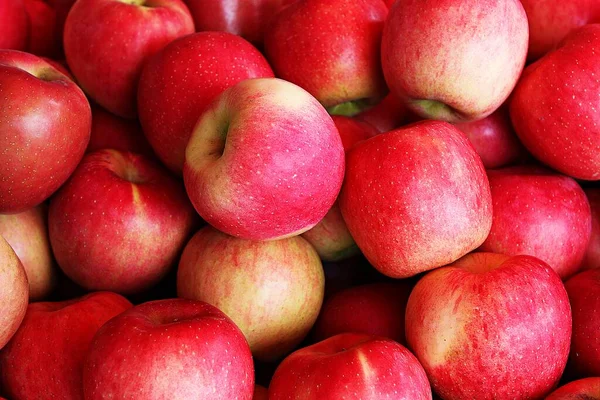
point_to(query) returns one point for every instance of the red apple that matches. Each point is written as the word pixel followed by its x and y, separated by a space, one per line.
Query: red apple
pixel 539 213
pixel 43 32
pixel 584 295
pixel 107 43
pixel 179 82
pixel 387 115
pixel 490 326
pixel 331 49
pixel 260 393
pixel 27 234
pixel 591 259
pixel 416 198
pixel 45 357
pixel 553 108
pixel 583 389
pixel 264 161
pixel 456 60
pixel 44 128
pixel 169 349
pixel 14 25
pixel 14 293
pixel 272 290
pixel 119 223
pixel 350 366
pixel 377 309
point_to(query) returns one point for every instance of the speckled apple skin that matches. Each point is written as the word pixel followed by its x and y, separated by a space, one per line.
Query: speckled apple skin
pixel 119 223
pixel 107 43
pixel 45 357
pixel 584 294
pixel 591 260
pixel 272 290
pixel 467 55
pixel 15 293
pixel 490 326
pixel 45 122
pixel 556 118
pixel 169 349
pixel 416 198
pixel 265 161
pixel 14 25
pixel 540 213
pixel 582 389
pixel 179 82
pixel 331 48
pixel 350 366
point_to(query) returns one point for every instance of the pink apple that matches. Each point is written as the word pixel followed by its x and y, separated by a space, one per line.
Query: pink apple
pixel 350 366
pixel 44 39
pixel 490 326
pixel 44 128
pixel 14 293
pixel 377 309
pixel 264 161
pixel 45 357
pixel 331 48
pixel 119 223
pixel 14 25
pixel 179 82
pixel 539 213
pixel 416 198
pixel 27 234
pixel 388 114
pixel 454 60
pixel 107 43
pixel 272 290
pixel 553 106
pixel 169 349
pixel 583 389
pixel 591 259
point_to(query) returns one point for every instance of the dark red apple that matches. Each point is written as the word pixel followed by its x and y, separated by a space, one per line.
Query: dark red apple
pixel 43 37
pixel 14 25
pixel 388 114
pixel 591 259
pixel 583 389
pixel 14 293
pixel 260 393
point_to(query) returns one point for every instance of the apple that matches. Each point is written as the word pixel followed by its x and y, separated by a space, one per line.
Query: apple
pixel 582 389
pixel 45 357
pixel 265 161
pixel 455 60
pixel 416 198
pixel 179 82
pixel 260 393
pixel 540 213
pixel 592 255
pixel 169 349
pixel 330 237
pixel 27 234
pixel 553 106
pixel 45 124
pixel 119 223
pixel 272 290
pixel 387 115
pixel 490 326
pixel 14 25
pixel 107 42
pixel 350 366
pixel 584 296
pixel 377 309
pixel 43 38
pixel 331 48
pixel 14 293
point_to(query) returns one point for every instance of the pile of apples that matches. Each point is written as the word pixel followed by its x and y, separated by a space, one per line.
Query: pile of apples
pixel 299 199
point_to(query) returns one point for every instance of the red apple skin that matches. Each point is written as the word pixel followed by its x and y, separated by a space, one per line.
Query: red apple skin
pixel 330 237
pixel 119 223
pixel 197 352
pixel 247 19
pixel 490 326
pixel 376 309
pixel 94 29
pixel 15 293
pixel 272 290
pixel 494 139
pixel 265 161
pixel 555 118
pixel 582 389
pixel 43 38
pixel 387 115
pixel 330 48
pixel 584 296
pixel 350 366
pixel 112 132
pixel 45 124
pixel 27 234
pixel 51 345
pixel 437 55
pixel 540 213
pixel 14 25
pixel 424 203
pixel 591 260
pixel 179 82
pixel 260 393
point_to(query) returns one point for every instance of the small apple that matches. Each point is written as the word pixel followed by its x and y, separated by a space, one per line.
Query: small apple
pixel 591 259
pixel 387 115
pixel 14 294
pixel 582 389
pixel 260 393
